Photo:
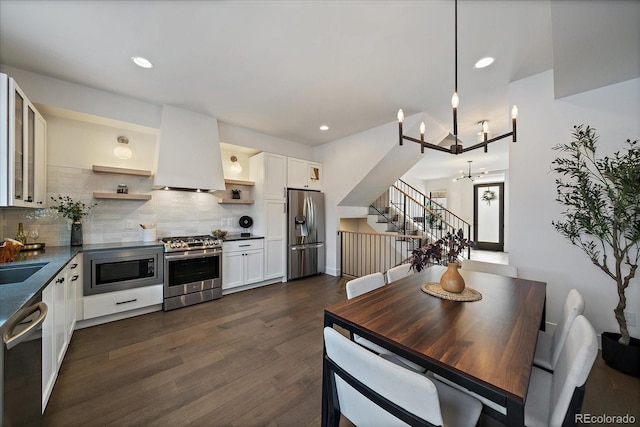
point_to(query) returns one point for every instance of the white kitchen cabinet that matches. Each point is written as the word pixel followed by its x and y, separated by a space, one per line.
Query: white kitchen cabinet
pixel 242 263
pixel 274 176
pixel 24 143
pixel 269 172
pixel 275 238
pixel 60 296
pixel 60 316
pixel 49 370
pixel 78 271
pixel 120 301
pixel 72 279
pixel 303 174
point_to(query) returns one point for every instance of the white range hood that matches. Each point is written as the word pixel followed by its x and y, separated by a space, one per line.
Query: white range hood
pixel 189 151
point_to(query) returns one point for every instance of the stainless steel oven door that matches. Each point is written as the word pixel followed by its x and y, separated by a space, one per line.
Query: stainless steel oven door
pixel 192 271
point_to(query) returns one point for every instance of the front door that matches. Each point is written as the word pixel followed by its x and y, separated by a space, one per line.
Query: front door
pixel 488 216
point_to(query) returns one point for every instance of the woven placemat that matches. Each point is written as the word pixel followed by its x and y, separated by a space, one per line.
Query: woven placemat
pixel 468 294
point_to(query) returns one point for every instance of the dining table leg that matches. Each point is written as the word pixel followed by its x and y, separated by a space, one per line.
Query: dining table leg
pixel 515 414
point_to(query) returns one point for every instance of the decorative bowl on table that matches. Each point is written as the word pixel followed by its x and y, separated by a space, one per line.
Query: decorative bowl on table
pixel 219 234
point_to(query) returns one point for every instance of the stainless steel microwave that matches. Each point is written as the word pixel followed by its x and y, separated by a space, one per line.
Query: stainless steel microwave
pixel 118 269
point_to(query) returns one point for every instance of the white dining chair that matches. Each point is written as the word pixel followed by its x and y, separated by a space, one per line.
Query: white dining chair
pixel 553 398
pixel 398 272
pixel 371 391
pixel 490 267
pixel 362 285
pixel 549 345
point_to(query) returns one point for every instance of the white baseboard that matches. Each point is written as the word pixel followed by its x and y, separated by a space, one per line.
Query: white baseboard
pixel 333 272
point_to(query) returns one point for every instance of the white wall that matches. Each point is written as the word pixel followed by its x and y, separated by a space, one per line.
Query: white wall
pixel 83 125
pixel 235 135
pixel 345 162
pixel 460 198
pixel 536 248
pixel 349 160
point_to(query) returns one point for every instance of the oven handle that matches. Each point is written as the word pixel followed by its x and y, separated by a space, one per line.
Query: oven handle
pixel 191 256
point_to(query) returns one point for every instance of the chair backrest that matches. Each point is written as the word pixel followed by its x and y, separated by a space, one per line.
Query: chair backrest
pixel 573 307
pixel 573 367
pixel 364 284
pixel 398 272
pixel 413 392
pixel 490 267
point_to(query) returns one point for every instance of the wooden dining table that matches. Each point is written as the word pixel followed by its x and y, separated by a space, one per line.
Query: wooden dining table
pixel 486 346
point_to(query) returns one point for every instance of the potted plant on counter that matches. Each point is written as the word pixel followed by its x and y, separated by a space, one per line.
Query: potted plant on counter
pixel 235 193
pixel 75 211
pixel 601 197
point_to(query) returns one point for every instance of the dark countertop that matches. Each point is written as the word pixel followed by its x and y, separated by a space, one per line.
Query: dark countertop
pixel 234 237
pixel 104 246
pixel 14 296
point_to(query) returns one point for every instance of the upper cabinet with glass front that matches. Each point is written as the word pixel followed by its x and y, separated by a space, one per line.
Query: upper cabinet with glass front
pixel 24 140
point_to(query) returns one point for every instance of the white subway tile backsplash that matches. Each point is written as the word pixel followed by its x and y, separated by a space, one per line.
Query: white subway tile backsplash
pixel 175 213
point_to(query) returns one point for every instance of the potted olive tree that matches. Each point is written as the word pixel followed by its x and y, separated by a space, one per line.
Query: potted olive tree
pixel 601 197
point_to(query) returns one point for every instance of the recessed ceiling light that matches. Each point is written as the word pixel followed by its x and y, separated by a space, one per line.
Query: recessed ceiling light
pixel 484 62
pixel 141 62
pixel 324 128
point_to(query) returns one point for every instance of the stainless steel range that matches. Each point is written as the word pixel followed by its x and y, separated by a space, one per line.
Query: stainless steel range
pixel 192 270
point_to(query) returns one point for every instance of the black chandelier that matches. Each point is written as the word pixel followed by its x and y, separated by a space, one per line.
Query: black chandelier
pixel 469 175
pixel 457 148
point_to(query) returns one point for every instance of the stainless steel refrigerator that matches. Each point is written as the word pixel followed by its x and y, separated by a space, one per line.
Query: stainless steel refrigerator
pixel 305 233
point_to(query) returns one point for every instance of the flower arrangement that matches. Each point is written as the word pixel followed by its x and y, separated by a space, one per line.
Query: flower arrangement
pixel 442 251
pixel 71 209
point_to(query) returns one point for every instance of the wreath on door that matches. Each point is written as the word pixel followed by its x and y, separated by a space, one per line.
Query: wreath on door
pixel 488 196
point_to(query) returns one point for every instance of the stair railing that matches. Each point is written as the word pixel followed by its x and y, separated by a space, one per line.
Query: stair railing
pixel 420 212
pixel 380 207
pixel 366 253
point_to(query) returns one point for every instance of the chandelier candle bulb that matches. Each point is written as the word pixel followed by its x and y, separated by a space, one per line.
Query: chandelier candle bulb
pixel 514 117
pixel 485 132
pixel 400 120
pixel 455 101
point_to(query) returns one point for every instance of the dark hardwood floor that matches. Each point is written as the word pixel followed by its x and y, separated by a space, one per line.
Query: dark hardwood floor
pixel 253 358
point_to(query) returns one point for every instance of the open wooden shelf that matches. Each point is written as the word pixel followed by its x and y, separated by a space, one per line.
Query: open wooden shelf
pixel 238 182
pixel 236 201
pixel 122 196
pixel 122 171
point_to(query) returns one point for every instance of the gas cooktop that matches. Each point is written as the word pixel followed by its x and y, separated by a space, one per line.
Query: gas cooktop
pixel 190 243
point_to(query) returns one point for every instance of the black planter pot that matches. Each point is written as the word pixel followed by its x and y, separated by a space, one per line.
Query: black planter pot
pixel 624 358
pixel 76 234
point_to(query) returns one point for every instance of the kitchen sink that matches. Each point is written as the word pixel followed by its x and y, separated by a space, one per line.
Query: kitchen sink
pixel 18 273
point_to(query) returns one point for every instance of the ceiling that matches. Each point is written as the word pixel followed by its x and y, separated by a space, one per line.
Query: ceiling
pixel 283 68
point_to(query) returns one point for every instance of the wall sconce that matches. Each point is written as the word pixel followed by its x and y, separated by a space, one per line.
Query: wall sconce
pixel 122 151
pixel 235 168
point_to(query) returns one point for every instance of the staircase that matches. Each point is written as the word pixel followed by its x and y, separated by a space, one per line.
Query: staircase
pixel 404 210
pixel 404 219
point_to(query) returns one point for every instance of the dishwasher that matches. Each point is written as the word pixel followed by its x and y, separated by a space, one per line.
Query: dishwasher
pixel 21 362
